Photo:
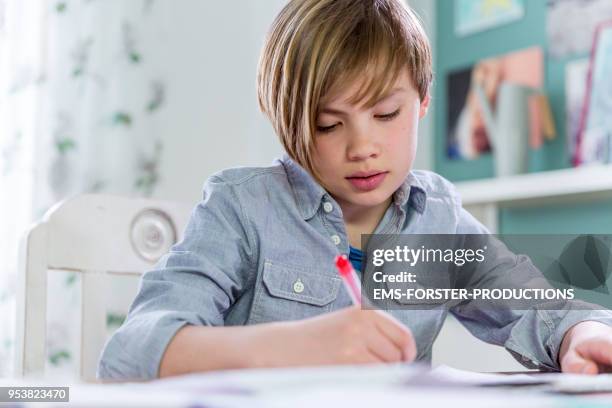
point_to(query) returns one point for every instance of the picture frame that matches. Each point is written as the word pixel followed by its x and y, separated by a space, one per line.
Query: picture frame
pixel 472 16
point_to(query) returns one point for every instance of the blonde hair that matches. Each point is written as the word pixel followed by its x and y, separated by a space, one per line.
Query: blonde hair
pixel 315 47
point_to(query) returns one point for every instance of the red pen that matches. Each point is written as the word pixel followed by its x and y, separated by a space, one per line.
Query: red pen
pixel 350 279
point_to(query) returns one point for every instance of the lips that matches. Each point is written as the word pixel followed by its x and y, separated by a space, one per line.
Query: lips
pixel 367 180
pixel 366 173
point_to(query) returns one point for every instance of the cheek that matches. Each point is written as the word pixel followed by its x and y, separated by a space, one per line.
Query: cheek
pixel 401 145
pixel 402 135
pixel 326 152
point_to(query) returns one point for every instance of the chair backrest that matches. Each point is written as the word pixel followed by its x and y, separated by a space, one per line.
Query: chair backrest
pixel 97 236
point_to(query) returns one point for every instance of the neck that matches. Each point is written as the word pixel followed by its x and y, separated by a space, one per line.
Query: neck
pixel 359 214
pixel 362 219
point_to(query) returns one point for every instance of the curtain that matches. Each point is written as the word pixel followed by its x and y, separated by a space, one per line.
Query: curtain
pixel 79 107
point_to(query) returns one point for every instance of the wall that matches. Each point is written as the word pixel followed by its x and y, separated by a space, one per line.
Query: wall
pixel 426 10
pixel 216 122
pixel 454 53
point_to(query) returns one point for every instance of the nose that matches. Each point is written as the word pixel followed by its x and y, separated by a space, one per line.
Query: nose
pixel 362 144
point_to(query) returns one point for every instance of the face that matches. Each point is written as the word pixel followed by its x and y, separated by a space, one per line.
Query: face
pixel 364 155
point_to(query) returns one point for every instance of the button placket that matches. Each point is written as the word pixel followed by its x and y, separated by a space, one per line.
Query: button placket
pixel 332 221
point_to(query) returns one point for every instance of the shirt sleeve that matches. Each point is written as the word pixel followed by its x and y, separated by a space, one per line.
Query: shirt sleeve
pixel 533 334
pixel 195 283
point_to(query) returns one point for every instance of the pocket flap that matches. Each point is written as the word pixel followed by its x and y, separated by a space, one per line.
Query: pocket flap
pixel 295 283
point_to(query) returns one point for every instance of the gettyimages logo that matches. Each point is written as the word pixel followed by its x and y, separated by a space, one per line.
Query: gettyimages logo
pixel 519 272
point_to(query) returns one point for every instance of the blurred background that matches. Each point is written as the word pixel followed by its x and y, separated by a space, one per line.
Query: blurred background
pixel 147 98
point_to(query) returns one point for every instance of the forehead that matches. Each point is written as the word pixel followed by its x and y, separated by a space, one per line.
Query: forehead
pixel 344 95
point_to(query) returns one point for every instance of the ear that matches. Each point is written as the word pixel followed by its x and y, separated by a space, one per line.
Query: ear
pixel 424 106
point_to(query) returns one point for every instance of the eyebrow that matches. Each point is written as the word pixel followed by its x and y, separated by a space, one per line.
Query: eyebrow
pixel 387 96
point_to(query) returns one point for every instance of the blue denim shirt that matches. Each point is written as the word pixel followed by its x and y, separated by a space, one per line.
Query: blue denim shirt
pixel 257 231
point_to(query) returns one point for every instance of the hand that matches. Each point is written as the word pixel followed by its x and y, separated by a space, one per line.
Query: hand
pixel 347 336
pixel 587 348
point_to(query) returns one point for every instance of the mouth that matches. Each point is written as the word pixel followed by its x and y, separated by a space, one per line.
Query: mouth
pixel 364 174
pixel 368 180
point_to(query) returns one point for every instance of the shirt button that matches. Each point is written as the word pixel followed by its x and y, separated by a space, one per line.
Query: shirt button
pixel 328 207
pixel 336 239
pixel 298 286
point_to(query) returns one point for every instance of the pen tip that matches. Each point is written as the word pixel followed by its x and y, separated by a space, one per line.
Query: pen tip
pixel 342 263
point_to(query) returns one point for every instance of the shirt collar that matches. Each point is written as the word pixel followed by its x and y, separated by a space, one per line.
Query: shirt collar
pixel 411 191
pixel 309 194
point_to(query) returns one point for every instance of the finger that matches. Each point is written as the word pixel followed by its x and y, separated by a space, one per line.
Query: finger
pixel 397 333
pixel 599 351
pixel 575 364
pixel 383 348
pixel 366 357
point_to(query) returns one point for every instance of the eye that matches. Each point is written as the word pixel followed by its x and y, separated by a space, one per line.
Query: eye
pixel 325 129
pixel 389 116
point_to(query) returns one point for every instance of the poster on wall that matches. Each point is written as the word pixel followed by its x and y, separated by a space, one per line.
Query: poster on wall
pixel 576 73
pixel 571 25
pixel 467 133
pixel 472 16
pixel 595 134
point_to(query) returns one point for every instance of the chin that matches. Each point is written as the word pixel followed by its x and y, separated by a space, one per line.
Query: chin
pixel 370 199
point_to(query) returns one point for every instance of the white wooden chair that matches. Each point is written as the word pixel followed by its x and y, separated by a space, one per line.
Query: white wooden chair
pixel 97 236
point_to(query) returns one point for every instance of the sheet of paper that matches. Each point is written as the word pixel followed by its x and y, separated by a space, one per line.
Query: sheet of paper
pixel 583 384
pixel 445 375
pixel 262 380
pixel 398 384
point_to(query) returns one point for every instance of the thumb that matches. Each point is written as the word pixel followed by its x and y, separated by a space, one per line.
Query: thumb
pixel 576 364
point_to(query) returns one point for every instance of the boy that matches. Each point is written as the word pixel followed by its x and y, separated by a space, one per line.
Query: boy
pixel 252 284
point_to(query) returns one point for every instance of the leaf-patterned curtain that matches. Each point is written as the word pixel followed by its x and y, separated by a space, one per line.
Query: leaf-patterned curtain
pixel 79 103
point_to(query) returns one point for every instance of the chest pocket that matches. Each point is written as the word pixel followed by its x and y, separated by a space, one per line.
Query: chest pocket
pixel 290 292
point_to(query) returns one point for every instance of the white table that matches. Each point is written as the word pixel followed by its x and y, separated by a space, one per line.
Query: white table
pixel 346 386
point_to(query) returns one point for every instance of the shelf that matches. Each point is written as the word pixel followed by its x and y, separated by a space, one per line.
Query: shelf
pixel 581 182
